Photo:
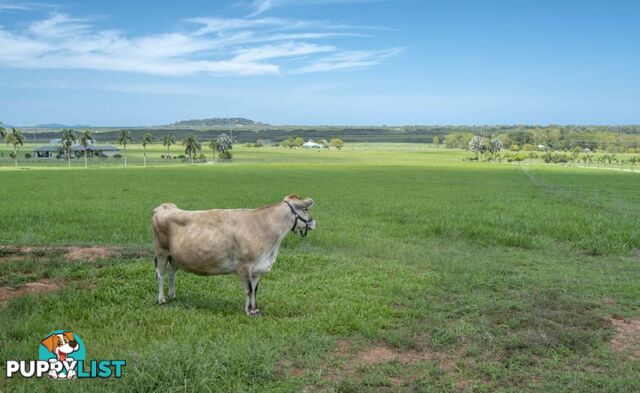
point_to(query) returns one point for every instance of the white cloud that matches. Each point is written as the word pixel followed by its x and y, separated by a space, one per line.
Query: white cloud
pixel 217 25
pixel 218 46
pixel 57 26
pixel 262 6
pixel 5 6
pixel 350 59
pixel 290 49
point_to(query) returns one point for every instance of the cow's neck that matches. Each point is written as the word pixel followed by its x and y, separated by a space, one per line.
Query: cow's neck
pixel 280 221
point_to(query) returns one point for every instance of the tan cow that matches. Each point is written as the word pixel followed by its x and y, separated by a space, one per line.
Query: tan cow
pixel 225 241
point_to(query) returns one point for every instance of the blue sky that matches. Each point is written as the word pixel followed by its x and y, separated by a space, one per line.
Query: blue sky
pixel 364 62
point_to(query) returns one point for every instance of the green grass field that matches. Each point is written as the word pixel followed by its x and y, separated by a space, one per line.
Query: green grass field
pixel 425 273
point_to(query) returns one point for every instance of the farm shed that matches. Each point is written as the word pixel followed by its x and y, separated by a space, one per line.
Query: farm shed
pixel 50 151
pixel 95 150
pixel 45 151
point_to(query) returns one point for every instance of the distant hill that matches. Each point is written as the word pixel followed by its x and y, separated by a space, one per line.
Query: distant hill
pixel 58 125
pixel 216 121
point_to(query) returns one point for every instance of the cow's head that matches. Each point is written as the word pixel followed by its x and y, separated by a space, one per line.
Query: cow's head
pixel 300 210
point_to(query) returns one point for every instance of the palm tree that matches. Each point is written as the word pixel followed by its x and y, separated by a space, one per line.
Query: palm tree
pixel 15 138
pixel 67 139
pixel 85 137
pixel 213 145
pixel 169 140
pixel 123 139
pixel 146 140
pixel 191 146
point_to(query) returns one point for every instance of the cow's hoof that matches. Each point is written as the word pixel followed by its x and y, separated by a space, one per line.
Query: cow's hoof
pixel 254 313
pixel 161 302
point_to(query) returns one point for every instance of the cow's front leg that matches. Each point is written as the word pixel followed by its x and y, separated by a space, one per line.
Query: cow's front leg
pixel 254 294
pixel 245 280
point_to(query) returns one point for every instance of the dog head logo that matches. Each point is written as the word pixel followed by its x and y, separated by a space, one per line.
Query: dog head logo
pixel 62 347
pixel 61 344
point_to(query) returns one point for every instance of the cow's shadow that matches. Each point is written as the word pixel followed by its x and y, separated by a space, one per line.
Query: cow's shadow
pixel 223 305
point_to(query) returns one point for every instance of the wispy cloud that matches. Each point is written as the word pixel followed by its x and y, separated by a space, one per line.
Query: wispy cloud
pixel 24 6
pixel 350 59
pixel 290 49
pixel 217 25
pixel 259 7
pixel 218 46
pixel 6 6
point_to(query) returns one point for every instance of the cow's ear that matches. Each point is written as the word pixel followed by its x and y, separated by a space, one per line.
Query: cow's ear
pixel 292 196
pixel 308 203
pixel 50 342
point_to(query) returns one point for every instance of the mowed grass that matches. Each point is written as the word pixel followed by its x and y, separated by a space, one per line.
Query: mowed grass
pixel 493 277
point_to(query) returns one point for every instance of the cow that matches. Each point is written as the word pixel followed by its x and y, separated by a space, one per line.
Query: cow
pixel 225 241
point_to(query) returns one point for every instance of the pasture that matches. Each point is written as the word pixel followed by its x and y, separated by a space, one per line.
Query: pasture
pixel 425 273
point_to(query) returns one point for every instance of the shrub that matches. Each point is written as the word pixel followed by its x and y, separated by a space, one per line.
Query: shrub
pixel 337 143
pixel 288 143
pixel 117 155
pixel 225 155
pixel 555 158
pixel 27 155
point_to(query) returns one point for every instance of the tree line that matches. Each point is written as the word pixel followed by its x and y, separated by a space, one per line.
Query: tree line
pixel 550 138
pixel 70 138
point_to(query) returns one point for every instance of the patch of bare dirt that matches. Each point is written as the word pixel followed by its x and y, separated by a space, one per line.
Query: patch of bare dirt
pixel 40 286
pixel 627 338
pixel 382 353
pixel 297 372
pixel 90 254
pixel 11 258
pixel 71 253
pixel 376 355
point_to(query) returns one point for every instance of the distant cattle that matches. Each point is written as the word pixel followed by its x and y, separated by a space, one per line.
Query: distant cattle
pixel 225 241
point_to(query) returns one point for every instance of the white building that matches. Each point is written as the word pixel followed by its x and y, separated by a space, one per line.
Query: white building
pixel 310 144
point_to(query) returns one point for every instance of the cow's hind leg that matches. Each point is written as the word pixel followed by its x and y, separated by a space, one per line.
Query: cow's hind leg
pixel 161 267
pixel 171 269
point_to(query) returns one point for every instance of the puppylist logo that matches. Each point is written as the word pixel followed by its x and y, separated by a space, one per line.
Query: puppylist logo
pixel 62 355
